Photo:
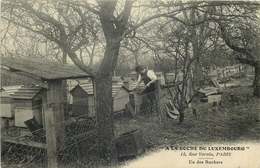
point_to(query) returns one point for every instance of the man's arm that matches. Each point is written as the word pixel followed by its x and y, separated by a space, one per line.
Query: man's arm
pixel 152 76
pixel 138 81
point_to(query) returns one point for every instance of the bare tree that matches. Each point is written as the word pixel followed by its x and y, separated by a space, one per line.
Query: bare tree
pixel 234 24
pixel 239 29
pixel 177 51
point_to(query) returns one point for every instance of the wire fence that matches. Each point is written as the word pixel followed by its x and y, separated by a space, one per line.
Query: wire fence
pixel 28 149
pixel 22 151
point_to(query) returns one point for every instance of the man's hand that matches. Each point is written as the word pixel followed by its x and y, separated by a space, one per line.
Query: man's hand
pixel 147 85
pixel 136 87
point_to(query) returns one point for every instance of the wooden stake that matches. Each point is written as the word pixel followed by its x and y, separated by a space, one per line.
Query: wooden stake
pixel 51 139
pixel 54 121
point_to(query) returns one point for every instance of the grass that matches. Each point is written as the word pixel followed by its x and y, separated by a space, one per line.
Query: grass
pixel 236 119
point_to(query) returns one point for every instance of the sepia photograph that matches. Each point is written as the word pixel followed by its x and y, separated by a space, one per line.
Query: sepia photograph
pixel 130 84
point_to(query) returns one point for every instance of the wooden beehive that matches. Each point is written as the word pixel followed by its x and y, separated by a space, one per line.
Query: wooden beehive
pixel 6 105
pixel 27 103
pixel 80 101
pixel 210 95
pixel 83 98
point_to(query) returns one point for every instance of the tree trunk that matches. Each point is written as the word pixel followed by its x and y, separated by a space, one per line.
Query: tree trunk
pixel 257 80
pixel 195 49
pixel 181 116
pixel 64 86
pixel 181 110
pixel 104 107
pixel 113 32
pixel 104 101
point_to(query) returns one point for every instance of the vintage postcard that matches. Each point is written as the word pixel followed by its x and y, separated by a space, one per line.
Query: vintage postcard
pixel 130 84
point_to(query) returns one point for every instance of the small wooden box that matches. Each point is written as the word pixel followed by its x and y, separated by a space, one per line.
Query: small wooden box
pixel 129 145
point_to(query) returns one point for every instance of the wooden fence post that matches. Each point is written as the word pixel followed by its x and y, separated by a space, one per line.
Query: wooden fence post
pixel 54 122
pixel 51 139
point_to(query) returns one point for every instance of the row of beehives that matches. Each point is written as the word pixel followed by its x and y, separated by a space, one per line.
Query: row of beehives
pixel 228 71
pixel 82 93
pixel 20 103
pixel 213 94
pixel 82 96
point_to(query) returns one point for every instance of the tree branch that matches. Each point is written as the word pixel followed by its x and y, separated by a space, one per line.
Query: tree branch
pixel 51 38
pixel 87 6
pixel 44 17
pixel 81 65
pixel 245 51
